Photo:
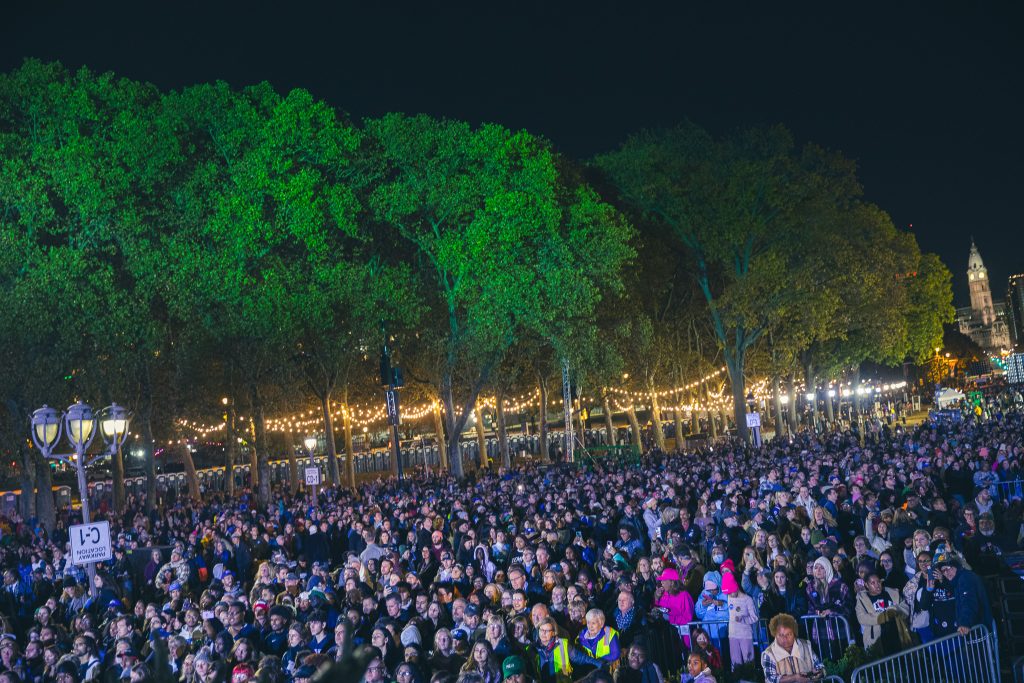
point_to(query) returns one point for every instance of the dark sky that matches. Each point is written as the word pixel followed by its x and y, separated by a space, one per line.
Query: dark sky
pixel 928 99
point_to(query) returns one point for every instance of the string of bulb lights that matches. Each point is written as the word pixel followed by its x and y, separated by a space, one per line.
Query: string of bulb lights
pixel 361 417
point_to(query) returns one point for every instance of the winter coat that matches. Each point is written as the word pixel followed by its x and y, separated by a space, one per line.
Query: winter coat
pixel 742 616
pixel 868 614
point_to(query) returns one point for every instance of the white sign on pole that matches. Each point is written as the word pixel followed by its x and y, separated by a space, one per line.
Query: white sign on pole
pixel 312 476
pixel 90 543
pixel 753 420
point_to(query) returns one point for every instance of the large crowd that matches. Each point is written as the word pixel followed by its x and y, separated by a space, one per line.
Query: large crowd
pixel 692 566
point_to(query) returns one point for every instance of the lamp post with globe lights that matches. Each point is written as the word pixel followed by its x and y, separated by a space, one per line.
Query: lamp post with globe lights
pixel 78 422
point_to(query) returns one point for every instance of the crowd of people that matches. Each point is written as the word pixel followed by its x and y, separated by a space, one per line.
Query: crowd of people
pixel 685 566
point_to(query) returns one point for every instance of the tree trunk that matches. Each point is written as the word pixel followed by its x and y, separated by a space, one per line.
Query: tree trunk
pixel 634 425
pixel 191 477
pixel 856 392
pixel 735 364
pixel 609 420
pixel 332 452
pixel 442 448
pixel 812 388
pixel 777 405
pixel 694 414
pixel 677 417
pixel 45 508
pixel 293 469
pixel 793 424
pixel 659 432
pixel 230 446
pixel 543 436
pixel 582 433
pixel 350 455
pixel 118 462
pixel 830 413
pixel 481 437
pixel 27 478
pixel 260 445
pixel 506 456
pixel 454 430
pixel 146 429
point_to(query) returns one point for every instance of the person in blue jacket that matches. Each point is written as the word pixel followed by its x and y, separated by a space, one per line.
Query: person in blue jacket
pixel 972 605
pixel 712 607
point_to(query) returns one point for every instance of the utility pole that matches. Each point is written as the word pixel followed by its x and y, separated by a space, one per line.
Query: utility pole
pixel 567 401
pixel 391 378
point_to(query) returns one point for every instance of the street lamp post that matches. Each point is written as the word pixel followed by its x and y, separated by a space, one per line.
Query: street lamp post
pixel 114 421
pixel 79 424
pixel 310 443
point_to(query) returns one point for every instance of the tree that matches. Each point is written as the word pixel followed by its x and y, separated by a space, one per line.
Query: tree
pixel 346 301
pixel 503 243
pixel 264 202
pixel 82 159
pixel 737 206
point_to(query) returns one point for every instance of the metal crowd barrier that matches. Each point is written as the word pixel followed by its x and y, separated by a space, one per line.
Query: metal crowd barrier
pixel 718 634
pixel 973 658
pixel 829 636
pixel 1005 490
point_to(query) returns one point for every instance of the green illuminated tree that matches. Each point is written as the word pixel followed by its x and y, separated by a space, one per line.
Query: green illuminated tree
pixel 265 206
pixel 504 243
pixel 84 160
pixel 739 208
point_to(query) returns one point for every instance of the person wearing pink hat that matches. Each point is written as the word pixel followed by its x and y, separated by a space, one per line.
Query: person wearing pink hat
pixel 671 598
pixel 742 617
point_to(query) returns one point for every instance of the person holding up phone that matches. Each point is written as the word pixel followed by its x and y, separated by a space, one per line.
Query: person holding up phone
pixel 922 581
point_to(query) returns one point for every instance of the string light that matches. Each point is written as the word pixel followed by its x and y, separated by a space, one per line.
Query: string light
pixel 362 417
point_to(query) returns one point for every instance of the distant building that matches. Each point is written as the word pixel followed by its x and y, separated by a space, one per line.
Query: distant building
pixel 1015 309
pixel 984 320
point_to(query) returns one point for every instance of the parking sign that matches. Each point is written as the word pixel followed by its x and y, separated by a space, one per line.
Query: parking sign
pixel 312 476
pixel 90 543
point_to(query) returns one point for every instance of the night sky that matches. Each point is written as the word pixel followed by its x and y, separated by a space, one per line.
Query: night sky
pixel 927 99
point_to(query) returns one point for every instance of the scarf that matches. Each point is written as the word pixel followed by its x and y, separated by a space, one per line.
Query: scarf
pixel 624 619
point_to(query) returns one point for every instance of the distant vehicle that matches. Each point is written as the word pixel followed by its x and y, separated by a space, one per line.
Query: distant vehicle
pixel 98 474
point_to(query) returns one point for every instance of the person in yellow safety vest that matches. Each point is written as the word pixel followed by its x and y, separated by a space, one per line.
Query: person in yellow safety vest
pixel 556 656
pixel 599 641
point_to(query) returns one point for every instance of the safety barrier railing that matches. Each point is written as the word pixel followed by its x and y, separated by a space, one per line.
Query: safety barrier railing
pixel 718 634
pixel 970 658
pixel 1005 490
pixel 829 635
pixel 819 630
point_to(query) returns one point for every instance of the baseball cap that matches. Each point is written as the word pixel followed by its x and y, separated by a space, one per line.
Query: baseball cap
pixel 175 586
pixel 512 666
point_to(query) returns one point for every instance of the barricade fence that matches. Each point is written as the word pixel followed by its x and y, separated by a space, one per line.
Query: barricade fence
pixel 1005 490
pixel 829 636
pixel 970 658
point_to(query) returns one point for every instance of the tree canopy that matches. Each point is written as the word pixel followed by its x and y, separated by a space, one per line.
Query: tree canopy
pixel 167 249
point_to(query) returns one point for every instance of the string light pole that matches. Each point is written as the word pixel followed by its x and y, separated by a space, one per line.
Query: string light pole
pixel 391 378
